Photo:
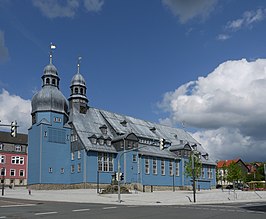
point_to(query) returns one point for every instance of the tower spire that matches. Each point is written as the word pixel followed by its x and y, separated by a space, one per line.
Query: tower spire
pixel 52 46
pixel 79 61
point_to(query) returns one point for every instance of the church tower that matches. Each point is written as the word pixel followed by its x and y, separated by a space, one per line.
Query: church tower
pixel 78 100
pixel 49 135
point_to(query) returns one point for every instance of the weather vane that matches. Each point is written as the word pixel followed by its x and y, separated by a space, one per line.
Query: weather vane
pixel 52 46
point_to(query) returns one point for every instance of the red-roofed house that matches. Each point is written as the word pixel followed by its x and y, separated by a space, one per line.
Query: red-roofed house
pixel 222 170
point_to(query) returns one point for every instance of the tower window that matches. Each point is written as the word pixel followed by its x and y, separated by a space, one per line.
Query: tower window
pixel 53 81
pixel 47 81
pixel 76 90
pixel 81 90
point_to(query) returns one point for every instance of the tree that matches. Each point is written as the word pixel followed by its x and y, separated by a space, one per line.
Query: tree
pixel 197 165
pixel 235 173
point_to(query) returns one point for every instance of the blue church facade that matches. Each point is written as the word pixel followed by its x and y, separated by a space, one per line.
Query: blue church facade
pixel 72 144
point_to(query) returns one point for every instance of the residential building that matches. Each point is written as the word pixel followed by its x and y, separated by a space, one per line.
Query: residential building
pixel 222 170
pixel 72 144
pixel 13 159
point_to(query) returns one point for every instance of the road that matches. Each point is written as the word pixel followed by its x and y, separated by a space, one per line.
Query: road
pixel 20 209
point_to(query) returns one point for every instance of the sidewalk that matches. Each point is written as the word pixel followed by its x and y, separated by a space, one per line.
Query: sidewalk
pixel 155 198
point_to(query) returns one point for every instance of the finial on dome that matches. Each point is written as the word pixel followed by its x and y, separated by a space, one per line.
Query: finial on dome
pixel 79 61
pixel 52 46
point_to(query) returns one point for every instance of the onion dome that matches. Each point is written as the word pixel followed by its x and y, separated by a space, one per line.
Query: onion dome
pixel 49 98
pixel 78 86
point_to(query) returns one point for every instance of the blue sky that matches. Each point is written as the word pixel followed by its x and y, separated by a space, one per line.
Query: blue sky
pixel 201 62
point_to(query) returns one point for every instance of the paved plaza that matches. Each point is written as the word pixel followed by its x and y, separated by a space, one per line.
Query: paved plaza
pixel 138 198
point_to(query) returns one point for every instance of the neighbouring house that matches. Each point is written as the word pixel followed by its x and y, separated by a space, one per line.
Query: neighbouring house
pixel 222 170
pixel 13 159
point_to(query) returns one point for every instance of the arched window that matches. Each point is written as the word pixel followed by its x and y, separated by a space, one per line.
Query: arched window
pixel 76 90
pixel 47 81
pixel 53 81
pixel 81 90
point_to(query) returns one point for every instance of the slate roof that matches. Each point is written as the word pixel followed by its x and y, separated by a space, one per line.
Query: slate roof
pixel 88 125
pixel 5 137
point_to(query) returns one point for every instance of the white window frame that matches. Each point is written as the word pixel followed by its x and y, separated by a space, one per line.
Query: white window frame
pixel 105 162
pixel 79 154
pixel 134 158
pixel 154 166
pixel 171 172
pixel 147 165
pixel 2 159
pixel 17 160
pixel 62 170
pixel 50 170
pixel 1 146
pixel 72 156
pixel 21 171
pixel 162 167
pixel 72 168
pixel 79 167
pixel 18 148
pixel 12 172
pixel 177 168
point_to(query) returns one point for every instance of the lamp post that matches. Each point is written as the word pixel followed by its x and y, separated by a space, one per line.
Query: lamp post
pixel 194 152
pixel 3 184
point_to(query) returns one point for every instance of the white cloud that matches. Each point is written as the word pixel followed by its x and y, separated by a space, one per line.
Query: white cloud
pixel 54 8
pixel 247 19
pixel 4 54
pixel 93 5
pixel 223 37
pixel 15 108
pixel 232 97
pixel 189 9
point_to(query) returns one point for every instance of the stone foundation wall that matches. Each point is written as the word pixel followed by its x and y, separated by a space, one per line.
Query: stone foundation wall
pixel 132 187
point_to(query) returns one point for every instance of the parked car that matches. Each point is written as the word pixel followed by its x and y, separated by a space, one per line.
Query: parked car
pixel 218 186
pixel 229 187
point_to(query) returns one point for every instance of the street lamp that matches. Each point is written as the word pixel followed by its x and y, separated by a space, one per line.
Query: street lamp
pixel 3 178
pixel 194 152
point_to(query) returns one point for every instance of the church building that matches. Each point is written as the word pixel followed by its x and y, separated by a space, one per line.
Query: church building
pixel 74 145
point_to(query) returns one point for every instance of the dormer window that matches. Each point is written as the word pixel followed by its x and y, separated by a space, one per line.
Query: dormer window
pixel 153 129
pixel 108 141
pixel 124 123
pixel 93 139
pixel 101 141
pixel 103 129
pixel 206 156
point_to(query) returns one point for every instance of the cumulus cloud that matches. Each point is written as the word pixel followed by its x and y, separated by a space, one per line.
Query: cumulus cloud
pixel 247 19
pixel 68 8
pixel 15 108
pixel 4 54
pixel 231 99
pixel 93 5
pixel 189 9
pixel 54 8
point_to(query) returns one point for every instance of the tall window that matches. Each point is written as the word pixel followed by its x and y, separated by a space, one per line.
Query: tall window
pixel 171 168
pixel 202 173
pixel 154 166
pixel 12 172
pixel 209 173
pixel 72 168
pixel 147 166
pixel 163 167
pixel 3 172
pixel 1 146
pixel 2 158
pixel 79 167
pixel 177 168
pixel 21 173
pixel 79 154
pixel 105 162
pixel 72 156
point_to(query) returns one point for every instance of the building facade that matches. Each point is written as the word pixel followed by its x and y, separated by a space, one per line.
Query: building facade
pixel 72 144
pixel 222 170
pixel 13 159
